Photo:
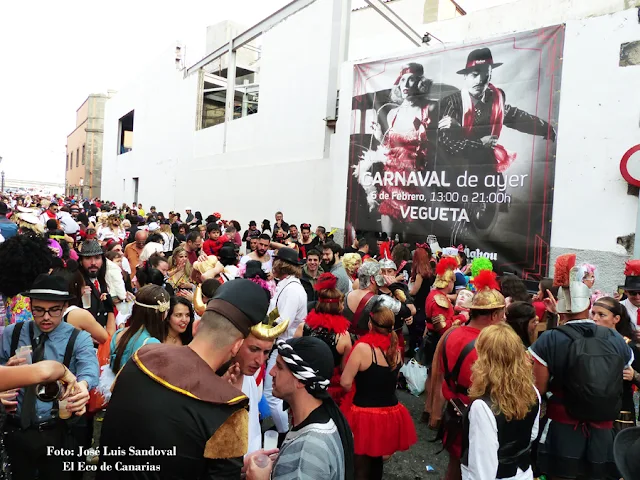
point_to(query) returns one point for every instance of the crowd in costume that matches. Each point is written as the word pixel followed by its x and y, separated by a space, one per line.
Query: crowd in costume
pixel 182 337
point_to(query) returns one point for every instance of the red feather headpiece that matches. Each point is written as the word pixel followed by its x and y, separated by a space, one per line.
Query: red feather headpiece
pixel 447 263
pixel 632 268
pixel 326 281
pixel 486 279
pixel 564 264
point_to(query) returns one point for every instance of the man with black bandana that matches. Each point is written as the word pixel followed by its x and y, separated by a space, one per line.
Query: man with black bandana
pixel 170 415
pixel 320 444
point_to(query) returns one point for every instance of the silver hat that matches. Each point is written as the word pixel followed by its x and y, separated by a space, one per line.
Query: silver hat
pixel 575 298
pixel 387 263
pixel 368 270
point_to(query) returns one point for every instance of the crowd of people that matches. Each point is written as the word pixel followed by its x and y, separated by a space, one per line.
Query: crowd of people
pixel 181 335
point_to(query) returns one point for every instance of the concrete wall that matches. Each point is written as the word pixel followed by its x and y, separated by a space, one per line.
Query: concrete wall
pixel 93 155
pixel 164 107
pixel 373 37
pixel 75 141
pixel 87 134
pixel 274 160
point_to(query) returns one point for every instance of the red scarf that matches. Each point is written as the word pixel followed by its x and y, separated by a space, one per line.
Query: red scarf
pixel 374 339
pixel 334 323
pixel 503 157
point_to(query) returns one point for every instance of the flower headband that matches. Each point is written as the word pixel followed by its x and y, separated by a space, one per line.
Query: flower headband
pixel 161 307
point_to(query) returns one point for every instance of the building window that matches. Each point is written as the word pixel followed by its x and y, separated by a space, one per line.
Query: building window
pixel 125 138
pixel 67 161
pixel 71 163
pixel 78 157
pixel 83 154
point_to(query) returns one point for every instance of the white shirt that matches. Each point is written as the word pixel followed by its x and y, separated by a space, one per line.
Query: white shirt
pixel 126 266
pixel 483 444
pixel 115 281
pixel 632 310
pixel 291 301
pixel 250 389
pixel 168 241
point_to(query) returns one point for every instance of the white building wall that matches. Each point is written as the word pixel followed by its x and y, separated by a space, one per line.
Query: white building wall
pixel 278 159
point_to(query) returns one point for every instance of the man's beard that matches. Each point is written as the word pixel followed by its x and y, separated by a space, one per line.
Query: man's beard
pixel 93 275
pixel 326 266
pixel 261 254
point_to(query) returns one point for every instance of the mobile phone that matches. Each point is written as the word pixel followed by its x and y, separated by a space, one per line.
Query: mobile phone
pixel 458 406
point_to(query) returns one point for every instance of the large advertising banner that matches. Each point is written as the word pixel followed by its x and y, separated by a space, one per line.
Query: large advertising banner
pixel 460 143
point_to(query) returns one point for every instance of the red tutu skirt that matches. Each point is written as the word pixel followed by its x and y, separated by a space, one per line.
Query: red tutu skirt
pixel 380 431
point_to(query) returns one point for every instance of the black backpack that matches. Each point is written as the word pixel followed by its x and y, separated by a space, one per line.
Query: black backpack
pixel 592 378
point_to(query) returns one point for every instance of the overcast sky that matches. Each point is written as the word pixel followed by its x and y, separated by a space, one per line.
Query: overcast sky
pixel 55 53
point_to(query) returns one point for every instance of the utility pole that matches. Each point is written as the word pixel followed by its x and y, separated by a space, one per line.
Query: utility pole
pixel 2 186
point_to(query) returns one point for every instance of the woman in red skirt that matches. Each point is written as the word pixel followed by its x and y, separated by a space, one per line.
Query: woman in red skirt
pixel 326 322
pixel 381 425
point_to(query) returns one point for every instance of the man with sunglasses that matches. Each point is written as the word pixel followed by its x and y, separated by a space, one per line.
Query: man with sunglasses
pixel 34 426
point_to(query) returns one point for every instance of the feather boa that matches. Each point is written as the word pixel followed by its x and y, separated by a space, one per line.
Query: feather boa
pixel 383 342
pixel 107 377
pixel 333 323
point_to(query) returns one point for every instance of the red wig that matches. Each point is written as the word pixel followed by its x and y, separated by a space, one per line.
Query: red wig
pixel 326 281
pixel 564 264
pixel 447 263
pixel 486 279
pixel 632 268
pixel 421 264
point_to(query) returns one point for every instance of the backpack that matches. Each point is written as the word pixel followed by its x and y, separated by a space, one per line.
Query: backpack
pixel 592 379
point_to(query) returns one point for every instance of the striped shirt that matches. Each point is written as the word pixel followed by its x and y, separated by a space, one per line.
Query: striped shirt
pixel 311 451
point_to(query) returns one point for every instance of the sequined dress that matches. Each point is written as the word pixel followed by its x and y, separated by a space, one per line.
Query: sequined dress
pixel 405 152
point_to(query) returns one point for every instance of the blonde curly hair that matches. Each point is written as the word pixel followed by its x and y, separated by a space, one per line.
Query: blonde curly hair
pixel 503 371
pixel 352 263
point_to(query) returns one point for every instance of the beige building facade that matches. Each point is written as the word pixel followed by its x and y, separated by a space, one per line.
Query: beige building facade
pixel 83 171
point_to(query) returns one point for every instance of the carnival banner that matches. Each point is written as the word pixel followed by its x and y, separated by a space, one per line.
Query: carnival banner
pixel 460 143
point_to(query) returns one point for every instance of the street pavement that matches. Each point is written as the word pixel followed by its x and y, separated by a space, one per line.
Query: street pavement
pixel 412 464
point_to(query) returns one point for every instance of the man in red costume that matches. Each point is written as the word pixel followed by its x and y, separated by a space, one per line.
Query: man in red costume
pixel 458 356
pixel 438 307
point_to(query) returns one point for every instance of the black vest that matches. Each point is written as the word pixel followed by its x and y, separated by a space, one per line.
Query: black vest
pixel 514 441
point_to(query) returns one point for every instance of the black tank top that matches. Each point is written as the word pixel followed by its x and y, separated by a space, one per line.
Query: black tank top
pixel 376 386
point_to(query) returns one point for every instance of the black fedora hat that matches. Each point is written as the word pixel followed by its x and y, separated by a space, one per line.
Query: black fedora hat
pixel 289 255
pixel 478 57
pixel 631 283
pixel 90 248
pixel 626 452
pixel 50 288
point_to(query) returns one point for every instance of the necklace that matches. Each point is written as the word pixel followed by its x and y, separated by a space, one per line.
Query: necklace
pixel 173 338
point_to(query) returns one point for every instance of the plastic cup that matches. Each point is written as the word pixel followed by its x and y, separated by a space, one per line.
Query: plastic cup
pixel 86 299
pixel 63 413
pixel 270 440
pixel 25 352
pixel 124 308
